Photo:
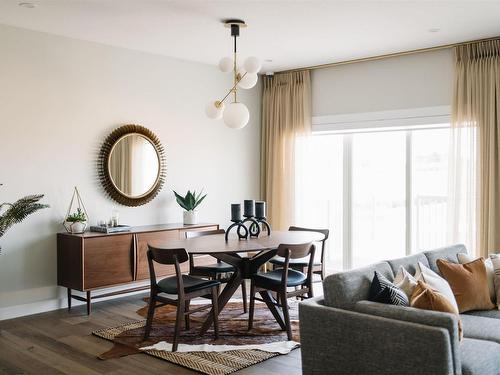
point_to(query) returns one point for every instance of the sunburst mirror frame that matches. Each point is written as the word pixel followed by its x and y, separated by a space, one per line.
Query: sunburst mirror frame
pixel 103 165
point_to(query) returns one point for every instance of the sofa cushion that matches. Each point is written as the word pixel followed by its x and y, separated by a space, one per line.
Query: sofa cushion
pixel 405 281
pixel 409 263
pixel 344 289
pixel 436 282
pixel 494 314
pixel 448 253
pixel 383 291
pixel 478 327
pixel 469 283
pixel 490 271
pixel 479 357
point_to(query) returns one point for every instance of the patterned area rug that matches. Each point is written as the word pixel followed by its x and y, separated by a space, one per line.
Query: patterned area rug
pixel 127 338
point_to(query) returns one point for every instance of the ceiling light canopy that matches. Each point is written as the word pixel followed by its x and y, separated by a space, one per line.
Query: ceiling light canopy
pixel 235 114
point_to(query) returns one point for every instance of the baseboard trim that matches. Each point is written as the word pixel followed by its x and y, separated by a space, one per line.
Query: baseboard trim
pixel 38 307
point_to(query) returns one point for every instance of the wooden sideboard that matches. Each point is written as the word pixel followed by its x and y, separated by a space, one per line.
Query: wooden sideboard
pixel 92 261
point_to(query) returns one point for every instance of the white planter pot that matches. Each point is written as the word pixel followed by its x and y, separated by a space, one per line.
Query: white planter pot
pixel 190 217
pixel 76 227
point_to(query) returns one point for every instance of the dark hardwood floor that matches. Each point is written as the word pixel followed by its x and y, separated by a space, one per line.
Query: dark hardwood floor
pixel 59 342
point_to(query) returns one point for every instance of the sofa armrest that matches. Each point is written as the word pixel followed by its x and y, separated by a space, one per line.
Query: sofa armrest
pixel 336 341
pixel 410 314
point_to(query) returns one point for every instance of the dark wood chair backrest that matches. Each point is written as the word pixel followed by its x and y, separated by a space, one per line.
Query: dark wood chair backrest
pixel 324 232
pixel 193 234
pixel 167 256
pixel 295 251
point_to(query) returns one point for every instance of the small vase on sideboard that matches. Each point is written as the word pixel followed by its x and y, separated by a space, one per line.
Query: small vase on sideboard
pixel 190 217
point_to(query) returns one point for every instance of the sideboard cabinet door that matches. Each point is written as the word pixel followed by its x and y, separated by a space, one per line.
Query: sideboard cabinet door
pixel 154 238
pixel 108 260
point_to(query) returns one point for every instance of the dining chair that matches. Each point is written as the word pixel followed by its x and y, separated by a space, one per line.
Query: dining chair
pixel 216 270
pixel 279 280
pixel 184 286
pixel 301 264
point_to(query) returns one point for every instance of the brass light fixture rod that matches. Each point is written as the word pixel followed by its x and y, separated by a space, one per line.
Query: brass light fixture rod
pixel 234 25
pixel 388 55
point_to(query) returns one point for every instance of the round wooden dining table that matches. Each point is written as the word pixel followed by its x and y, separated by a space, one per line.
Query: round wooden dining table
pixel 246 255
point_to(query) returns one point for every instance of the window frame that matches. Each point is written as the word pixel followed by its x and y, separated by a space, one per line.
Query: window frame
pixel 407 120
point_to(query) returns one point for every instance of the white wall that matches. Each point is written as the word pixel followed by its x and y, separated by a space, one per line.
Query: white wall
pixel 412 81
pixel 59 98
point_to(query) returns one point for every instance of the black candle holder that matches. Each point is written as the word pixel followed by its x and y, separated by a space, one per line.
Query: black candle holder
pixel 254 227
pixel 239 226
pixel 263 221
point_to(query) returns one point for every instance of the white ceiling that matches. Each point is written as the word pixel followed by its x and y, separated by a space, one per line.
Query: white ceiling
pixel 290 33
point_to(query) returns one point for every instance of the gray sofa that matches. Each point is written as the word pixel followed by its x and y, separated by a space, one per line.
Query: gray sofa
pixel 343 333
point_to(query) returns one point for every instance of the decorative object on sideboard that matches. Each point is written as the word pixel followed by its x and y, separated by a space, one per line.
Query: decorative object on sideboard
pixel 236 114
pixel 132 165
pixel 109 229
pixel 237 223
pixel 189 204
pixel 76 218
pixel 14 213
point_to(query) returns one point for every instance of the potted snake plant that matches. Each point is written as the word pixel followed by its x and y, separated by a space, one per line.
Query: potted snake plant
pixel 189 203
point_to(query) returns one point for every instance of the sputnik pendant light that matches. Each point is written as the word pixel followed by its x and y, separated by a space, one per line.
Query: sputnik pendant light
pixel 235 114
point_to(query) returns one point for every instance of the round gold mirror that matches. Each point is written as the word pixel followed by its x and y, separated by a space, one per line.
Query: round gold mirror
pixel 132 165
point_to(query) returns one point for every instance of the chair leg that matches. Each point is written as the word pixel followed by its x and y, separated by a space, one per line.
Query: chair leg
pixel 149 321
pixel 178 322
pixel 186 317
pixel 310 294
pixel 244 295
pixel 252 305
pixel 286 315
pixel 215 310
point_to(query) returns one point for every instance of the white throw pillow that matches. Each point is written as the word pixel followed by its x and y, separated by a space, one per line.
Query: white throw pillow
pixel 490 272
pixel 436 282
pixel 495 261
pixel 405 281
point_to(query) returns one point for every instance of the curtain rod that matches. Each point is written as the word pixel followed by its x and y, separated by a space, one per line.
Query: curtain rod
pixel 385 56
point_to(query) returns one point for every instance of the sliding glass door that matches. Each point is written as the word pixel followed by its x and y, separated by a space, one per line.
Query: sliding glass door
pixel 378 197
pixel 383 194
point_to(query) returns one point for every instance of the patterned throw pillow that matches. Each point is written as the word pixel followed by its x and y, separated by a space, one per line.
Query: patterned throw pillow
pixel 405 281
pixel 383 291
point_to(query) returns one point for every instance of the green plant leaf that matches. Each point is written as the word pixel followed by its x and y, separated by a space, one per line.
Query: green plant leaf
pixel 190 201
pixel 198 201
pixel 180 200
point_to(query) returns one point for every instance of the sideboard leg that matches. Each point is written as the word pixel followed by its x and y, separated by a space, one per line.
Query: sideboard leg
pixel 69 299
pixel 88 302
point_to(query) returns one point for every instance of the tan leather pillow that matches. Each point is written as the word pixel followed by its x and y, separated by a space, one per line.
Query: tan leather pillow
pixel 426 298
pixel 469 283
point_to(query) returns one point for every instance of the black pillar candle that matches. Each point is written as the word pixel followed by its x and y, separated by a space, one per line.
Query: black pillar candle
pixel 249 207
pixel 235 212
pixel 260 210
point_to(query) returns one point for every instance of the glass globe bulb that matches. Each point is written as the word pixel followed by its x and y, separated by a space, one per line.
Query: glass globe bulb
pixel 252 64
pixel 226 64
pixel 248 81
pixel 236 115
pixel 214 112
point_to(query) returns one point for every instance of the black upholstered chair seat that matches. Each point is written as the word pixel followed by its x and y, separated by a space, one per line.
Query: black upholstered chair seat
pixel 191 284
pixel 295 278
pixel 219 267
pixel 303 262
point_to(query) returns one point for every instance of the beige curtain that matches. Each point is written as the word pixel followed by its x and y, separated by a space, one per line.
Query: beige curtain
pixel 286 115
pixel 476 133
